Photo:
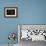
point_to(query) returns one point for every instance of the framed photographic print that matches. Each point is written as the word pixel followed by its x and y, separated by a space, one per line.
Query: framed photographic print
pixel 33 32
pixel 11 12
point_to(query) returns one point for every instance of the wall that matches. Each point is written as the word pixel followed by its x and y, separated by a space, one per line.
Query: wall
pixel 29 12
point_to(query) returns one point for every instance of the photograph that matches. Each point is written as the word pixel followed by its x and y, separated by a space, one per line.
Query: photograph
pixel 11 12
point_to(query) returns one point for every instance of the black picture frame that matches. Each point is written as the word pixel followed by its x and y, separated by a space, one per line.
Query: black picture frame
pixel 11 8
